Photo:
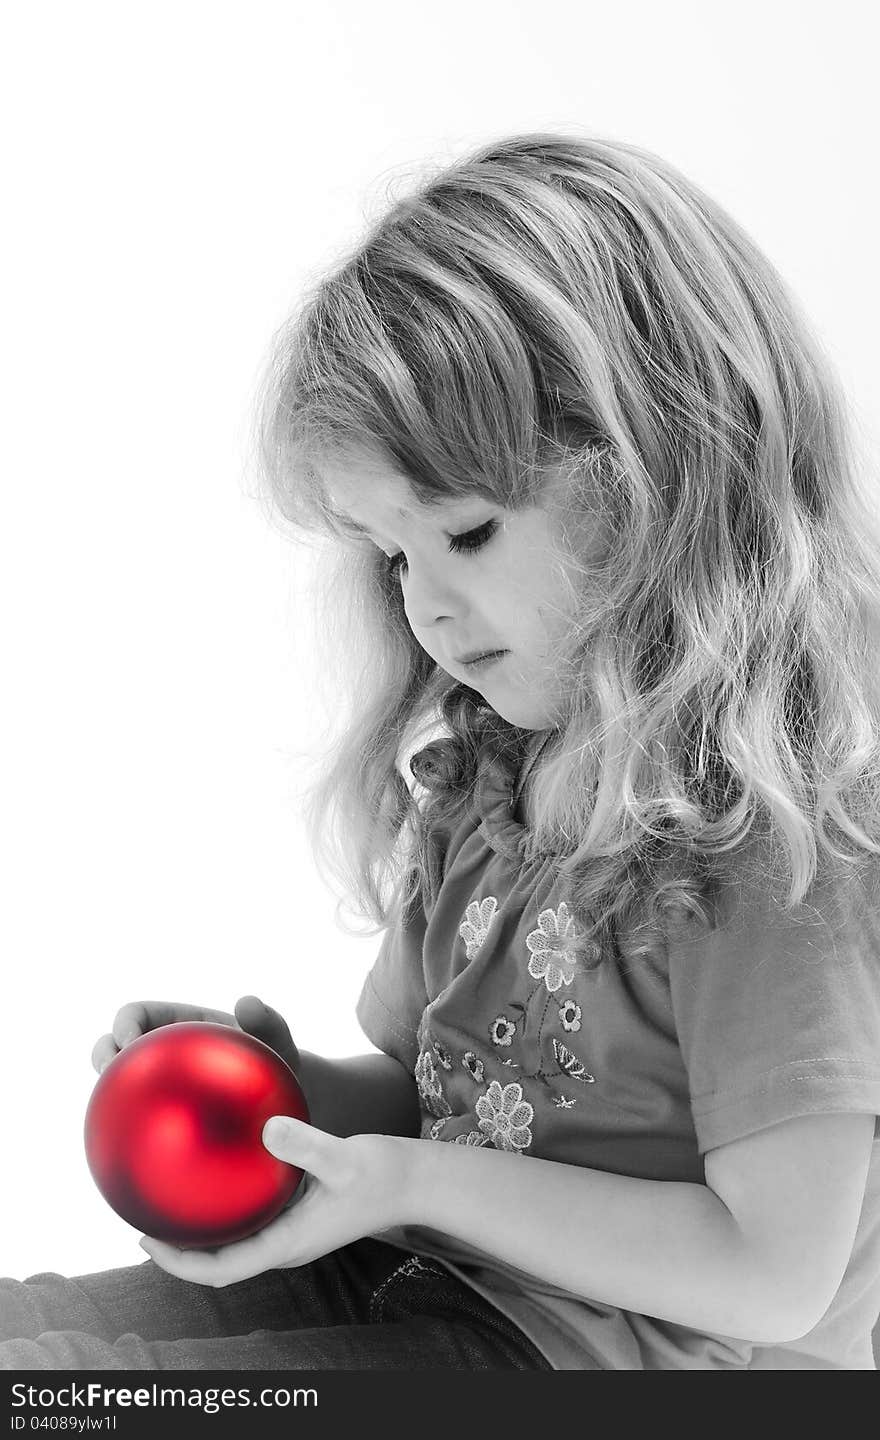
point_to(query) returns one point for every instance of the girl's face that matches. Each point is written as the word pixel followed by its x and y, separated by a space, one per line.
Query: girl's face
pixel 473 577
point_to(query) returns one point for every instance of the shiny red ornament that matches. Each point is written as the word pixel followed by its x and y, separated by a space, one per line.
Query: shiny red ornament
pixel 173 1133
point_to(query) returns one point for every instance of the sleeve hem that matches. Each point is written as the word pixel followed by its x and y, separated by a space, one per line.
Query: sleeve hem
pixel 385 1029
pixel 801 1088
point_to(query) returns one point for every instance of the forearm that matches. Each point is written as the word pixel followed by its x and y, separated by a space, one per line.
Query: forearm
pixel 360 1095
pixel 667 1249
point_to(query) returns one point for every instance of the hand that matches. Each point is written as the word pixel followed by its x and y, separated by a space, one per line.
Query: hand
pixel 352 1187
pixel 140 1016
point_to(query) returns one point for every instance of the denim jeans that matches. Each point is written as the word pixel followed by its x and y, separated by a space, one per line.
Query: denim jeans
pixel 366 1306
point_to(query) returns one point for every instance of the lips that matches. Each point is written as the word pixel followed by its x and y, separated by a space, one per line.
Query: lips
pixel 475 658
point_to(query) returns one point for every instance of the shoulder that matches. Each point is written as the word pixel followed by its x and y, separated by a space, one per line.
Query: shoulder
pixel 750 887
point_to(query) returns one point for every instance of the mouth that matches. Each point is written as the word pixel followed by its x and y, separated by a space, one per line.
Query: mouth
pixel 480 662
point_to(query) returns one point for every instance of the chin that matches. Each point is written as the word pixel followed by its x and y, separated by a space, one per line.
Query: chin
pixel 525 717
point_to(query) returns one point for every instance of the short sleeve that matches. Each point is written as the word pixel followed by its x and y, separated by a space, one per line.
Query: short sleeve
pixel 778 1012
pixel 393 997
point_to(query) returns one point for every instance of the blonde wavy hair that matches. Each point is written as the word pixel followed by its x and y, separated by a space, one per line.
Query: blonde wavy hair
pixel 561 308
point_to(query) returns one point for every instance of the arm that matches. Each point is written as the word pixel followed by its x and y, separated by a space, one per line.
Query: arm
pixel 758 1252
pixel 360 1095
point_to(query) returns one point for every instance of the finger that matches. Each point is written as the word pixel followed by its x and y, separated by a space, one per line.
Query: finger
pixel 131 1021
pixel 259 1019
pixel 140 1016
pixel 225 1266
pixel 300 1144
pixel 103 1051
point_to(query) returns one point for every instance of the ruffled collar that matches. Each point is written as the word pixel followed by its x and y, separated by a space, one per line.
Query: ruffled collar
pixel 495 790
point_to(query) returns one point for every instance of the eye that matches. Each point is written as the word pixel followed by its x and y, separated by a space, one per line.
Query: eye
pixel 468 543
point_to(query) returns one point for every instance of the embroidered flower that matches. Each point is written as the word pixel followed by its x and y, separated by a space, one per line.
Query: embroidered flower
pixel 473 1137
pixel 570 1015
pixel 504 1116
pixel 550 960
pixel 429 1085
pixel 476 924
pixel 435 1129
pixel 473 1066
pixel 571 1065
pixel 443 1055
pixel 502 1030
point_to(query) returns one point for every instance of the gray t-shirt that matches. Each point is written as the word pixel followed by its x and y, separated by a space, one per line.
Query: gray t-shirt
pixel 636 1067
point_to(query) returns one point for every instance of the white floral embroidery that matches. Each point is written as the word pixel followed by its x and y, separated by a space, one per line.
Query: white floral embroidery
pixel 570 1015
pixel 476 924
pixel 443 1055
pixel 562 1104
pixel 434 1132
pixel 550 960
pixel 571 1064
pixel 505 1116
pixel 473 1065
pixel 429 1085
pixel 502 1030
pixel 473 1137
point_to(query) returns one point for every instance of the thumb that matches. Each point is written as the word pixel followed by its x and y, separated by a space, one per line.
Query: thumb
pixel 266 1024
pixel 282 1133
pixel 297 1143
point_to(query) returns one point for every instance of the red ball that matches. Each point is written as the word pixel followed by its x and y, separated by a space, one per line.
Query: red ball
pixel 173 1133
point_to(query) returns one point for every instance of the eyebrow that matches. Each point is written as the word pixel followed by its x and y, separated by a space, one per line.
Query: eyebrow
pixel 347 523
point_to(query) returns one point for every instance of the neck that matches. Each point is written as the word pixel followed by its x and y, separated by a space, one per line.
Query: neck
pixel 529 766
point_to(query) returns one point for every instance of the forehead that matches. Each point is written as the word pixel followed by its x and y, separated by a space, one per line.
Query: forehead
pixel 364 492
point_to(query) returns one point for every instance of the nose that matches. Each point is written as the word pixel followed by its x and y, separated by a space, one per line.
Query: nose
pixel 428 596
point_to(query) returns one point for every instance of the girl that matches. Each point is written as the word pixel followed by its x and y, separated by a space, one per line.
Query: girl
pixel 559 412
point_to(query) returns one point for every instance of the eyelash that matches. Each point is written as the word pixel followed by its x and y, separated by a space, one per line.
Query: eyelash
pixel 468 543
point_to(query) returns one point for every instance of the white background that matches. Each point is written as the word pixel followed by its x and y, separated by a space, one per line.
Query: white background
pixel 174 174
